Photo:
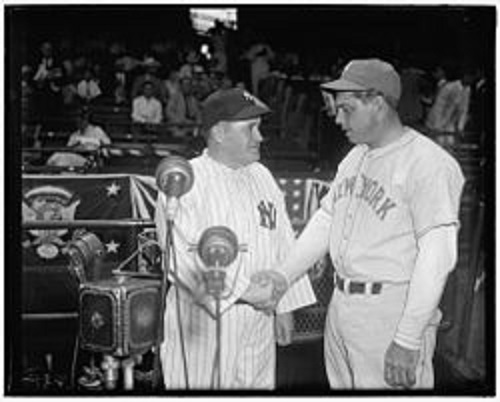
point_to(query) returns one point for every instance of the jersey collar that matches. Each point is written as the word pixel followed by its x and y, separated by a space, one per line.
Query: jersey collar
pixel 408 136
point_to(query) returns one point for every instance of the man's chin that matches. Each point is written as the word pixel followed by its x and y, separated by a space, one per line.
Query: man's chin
pixel 255 154
pixel 351 137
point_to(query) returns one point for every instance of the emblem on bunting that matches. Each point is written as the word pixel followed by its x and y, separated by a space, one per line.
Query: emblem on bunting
pixel 48 203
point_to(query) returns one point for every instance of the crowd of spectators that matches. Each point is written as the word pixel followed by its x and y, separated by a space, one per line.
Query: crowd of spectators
pixel 164 84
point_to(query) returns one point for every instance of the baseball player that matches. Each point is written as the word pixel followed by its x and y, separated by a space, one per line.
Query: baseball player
pixel 390 223
pixel 230 189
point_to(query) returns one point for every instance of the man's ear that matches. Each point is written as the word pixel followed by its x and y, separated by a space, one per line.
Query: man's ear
pixel 218 133
pixel 380 102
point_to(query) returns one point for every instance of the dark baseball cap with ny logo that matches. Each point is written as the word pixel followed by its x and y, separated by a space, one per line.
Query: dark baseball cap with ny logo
pixel 231 105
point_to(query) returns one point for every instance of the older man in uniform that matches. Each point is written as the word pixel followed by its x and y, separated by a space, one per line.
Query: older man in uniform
pixel 231 188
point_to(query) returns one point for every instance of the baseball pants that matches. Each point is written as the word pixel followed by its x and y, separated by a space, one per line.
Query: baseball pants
pixel 359 329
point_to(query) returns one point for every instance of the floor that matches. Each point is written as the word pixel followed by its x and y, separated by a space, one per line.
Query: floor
pixel 300 366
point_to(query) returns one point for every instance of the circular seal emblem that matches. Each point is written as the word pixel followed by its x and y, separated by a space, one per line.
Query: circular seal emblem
pixel 48 203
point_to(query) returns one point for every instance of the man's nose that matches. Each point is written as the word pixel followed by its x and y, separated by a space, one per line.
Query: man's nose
pixel 339 118
pixel 257 136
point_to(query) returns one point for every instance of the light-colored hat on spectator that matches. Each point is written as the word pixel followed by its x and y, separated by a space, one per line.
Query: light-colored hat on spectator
pixel 151 62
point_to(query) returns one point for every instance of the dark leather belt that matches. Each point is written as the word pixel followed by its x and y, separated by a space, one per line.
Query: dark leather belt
pixel 241 301
pixel 355 287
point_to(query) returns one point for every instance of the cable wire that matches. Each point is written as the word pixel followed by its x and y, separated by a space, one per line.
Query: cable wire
pixel 76 350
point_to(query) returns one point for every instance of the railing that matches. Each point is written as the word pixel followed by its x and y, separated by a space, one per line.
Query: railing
pixel 88 223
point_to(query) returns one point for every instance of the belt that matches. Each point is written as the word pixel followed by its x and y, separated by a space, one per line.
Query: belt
pixel 355 287
pixel 241 301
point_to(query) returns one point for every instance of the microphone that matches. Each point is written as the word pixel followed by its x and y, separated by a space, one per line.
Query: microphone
pixel 85 254
pixel 174 177
pixel 217 248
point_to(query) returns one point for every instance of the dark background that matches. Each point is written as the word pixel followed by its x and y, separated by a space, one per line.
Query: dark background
pixel 463 34
pixel 458 32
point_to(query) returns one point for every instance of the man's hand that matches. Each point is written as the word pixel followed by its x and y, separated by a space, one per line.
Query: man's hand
pixel 259 292
pixel 400 366
pixel 283 327
pixel 265 290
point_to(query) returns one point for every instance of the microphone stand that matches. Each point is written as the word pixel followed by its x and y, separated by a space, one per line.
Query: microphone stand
pixel 163 295
pixel 218 334
pixel 215 278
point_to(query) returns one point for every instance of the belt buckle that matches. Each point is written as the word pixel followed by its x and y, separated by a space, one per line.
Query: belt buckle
pixel 376 288
pixel 357 287
pixel 354 287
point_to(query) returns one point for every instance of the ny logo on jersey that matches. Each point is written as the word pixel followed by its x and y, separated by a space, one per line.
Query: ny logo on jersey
pixel 267 212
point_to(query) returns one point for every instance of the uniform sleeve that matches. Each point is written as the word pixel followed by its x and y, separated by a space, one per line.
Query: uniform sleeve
pixel 300 293
pixel 436 258
pixel 434 195
pixel 434 205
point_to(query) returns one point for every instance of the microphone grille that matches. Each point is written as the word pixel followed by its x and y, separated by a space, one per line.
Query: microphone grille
pixel 174 176
pixel 218 245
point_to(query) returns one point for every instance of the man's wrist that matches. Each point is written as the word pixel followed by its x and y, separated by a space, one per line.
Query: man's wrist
pixel 407 342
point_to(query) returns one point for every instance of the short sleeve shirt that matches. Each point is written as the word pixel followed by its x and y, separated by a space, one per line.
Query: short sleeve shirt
pixel 382 200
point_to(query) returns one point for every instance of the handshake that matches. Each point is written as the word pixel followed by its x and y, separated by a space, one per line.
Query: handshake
pixel 265 290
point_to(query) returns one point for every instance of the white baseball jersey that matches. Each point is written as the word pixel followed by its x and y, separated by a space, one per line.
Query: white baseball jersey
pixel 249 202
pixel 381 202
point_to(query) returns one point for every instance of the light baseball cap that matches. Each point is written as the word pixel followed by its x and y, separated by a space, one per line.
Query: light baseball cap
pixel 366 75
pixel 231 105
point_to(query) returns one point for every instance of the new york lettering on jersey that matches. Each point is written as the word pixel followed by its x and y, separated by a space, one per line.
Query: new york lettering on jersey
pixel 368 190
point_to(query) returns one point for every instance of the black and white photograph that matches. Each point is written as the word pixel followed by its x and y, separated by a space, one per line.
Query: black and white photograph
pixel 249 199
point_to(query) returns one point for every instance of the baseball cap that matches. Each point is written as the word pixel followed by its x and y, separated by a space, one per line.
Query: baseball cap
pixel 231 105
pixel 368 74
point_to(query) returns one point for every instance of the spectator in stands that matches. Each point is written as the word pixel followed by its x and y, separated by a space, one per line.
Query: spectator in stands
pixel 150 66
pixel 46 67
pixel 89 87
pixel 192 62
pixel 478 117
pixel 27 93
pixel 172 84
pixel 47 78
pixel 117 85
pixel 448 113
pixel 201 85
pixel 127 62
pixel 69 93
pixel 183 108
pixel 88 137
pixel 146 109
pixel 219 37
pixel 436 80
pixel 260 56
pixel 117 73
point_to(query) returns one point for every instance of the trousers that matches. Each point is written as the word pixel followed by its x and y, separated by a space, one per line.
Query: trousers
pixel 358 331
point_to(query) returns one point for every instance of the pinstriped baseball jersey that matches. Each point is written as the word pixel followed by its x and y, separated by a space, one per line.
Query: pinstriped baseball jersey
pixel 382 200
pixel 249 202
